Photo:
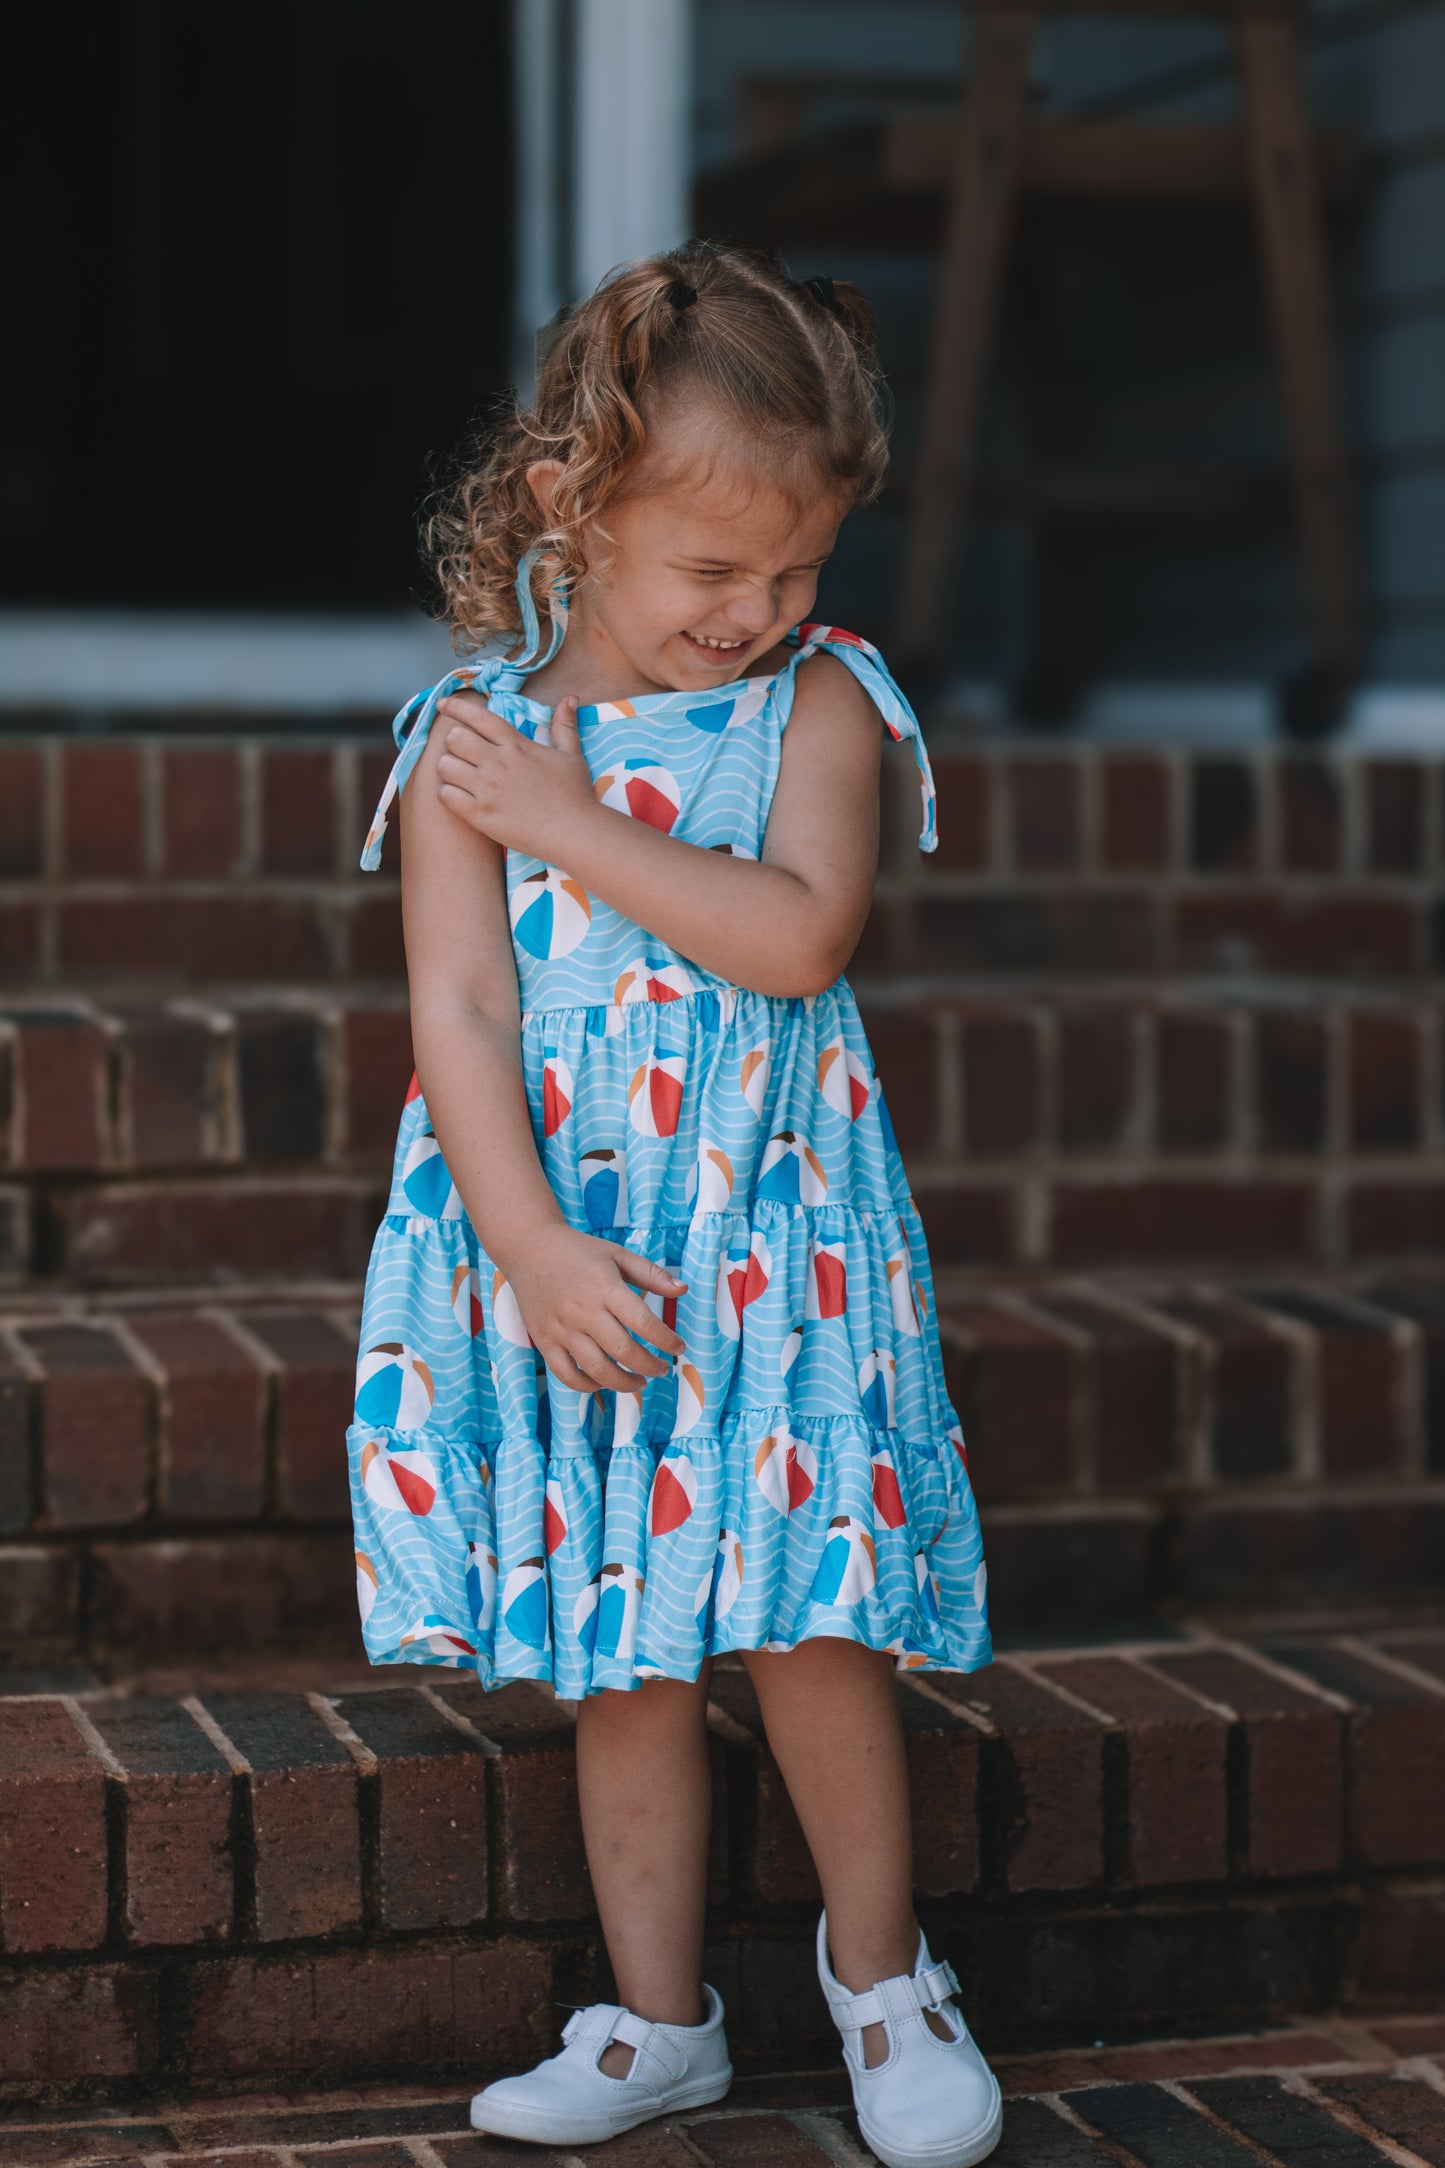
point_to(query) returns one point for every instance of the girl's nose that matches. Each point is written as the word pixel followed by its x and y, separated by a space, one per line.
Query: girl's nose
pixel 753 612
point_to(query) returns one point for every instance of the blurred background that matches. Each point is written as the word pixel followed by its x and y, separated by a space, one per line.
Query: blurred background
pixel 275 260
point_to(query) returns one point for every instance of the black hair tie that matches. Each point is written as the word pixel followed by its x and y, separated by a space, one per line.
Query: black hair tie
pixel 824 293
pixel 681 295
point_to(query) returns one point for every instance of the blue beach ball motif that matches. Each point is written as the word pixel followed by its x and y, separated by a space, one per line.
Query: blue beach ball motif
pixel 427 1182
pixel 550 913
pixel 394 1387
pixel 603 1174
pixel 848 1568
pixel 791 1172
pixel 482 1586
pixel 524 1604
pixel 617 1610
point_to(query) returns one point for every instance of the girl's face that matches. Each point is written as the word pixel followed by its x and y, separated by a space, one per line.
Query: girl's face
pixel 705 563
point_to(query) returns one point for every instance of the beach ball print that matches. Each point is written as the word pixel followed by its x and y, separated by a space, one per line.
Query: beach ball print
pixel 426 1180
pixel 584 1615
pixel 878 1388
pixel 554 1516
pixel 827 1292
pixel 674 1493
pixel 843 1081
pixel 928 1599
pixel 721 1585
pixel 398 1480
pixel 662 979
pixel 901 1294
pixel 626 1417
pixel 365 1586
pixel 715 715
pixel 603 1175
pixel 550 913
pixel 654 1097
pixel 524 1604
pixel 786 1470
pixel 888 1507
pixel 506 1315
pixel 791 1172
pixel 394 1388
pixel 691 1399
pixel 643 790
pixel 558 1092
pixel 848 1569
pixel 743 1276
pixel 710 1180
pixel 789 1352
pixel 618 1605
pixel 482 1586
pixel 467 1299
pixel 440 1639
pixel 753 1076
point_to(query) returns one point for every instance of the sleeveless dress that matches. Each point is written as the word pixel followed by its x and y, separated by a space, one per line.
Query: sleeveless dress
pixel 799 1471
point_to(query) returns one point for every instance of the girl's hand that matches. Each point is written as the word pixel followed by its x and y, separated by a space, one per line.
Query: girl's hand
pixel 575 1293
pixel 523 795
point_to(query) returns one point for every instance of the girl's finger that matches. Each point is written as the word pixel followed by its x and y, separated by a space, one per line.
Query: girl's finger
pixel 610 1376
pixel 642 1272
pixel 562 1367
pixel 637 1317
pixel 616 1341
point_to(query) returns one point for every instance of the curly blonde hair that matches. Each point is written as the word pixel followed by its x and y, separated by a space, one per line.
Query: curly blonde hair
pixel 789 362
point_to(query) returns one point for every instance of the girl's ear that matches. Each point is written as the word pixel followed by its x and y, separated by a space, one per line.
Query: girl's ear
pixel 542 480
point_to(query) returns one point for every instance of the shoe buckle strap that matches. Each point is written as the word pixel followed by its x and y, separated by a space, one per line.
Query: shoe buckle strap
pixel 935 1984
pixel 852 2012
pixel 591 2019
pixel 651 2041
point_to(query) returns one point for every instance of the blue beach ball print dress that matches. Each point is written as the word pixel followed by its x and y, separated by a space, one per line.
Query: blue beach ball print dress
pixel 800 1470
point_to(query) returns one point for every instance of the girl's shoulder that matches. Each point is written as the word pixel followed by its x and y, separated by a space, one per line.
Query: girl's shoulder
pixel 863 660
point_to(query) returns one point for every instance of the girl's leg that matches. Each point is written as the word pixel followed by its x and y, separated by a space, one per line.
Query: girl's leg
pixel 830 1709
pixel 645 1784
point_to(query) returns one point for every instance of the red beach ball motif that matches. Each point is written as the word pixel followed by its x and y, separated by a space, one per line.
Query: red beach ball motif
pixel 787 1471
pixel 827 1280
pixel 743 1276
pixel 887 1491
pixel 554 1518
pixel 558 1092
pixel 467 1299
pixel 654 1097
pixel 843 1081
pixel 674 1493
pixel 643 790
pixel 403 1482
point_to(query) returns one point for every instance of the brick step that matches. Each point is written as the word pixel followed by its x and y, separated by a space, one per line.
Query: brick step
pixel 1338 2093
pixel 1119 1126
pixel 372 1876
pixel 157 858
pixel 172 1474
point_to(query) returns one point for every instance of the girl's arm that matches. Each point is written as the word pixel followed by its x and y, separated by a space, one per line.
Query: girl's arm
pixel 785 925
pixel 575 1292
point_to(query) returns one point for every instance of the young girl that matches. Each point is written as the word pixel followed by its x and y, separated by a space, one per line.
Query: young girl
pixel 649 1368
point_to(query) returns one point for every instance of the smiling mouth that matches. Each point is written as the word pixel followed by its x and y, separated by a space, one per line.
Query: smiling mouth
pixel 715 652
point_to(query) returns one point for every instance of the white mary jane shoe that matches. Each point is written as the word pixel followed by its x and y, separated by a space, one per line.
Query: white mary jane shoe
pixel 568 2100
pixel 930 2103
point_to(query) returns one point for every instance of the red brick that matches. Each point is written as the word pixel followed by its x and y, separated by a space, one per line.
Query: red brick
pixel 745 2141
pixel 1135 816
pixel 1313 1552
pixel 378 1059
pixel 1399 1762
pixel 1095 1078
pixel 201 811
pixel 375 948
pixel 904 1044
pixel 1174 1752
pixel 1001 1083
pixel 1400 1946
pixel 431 1862
pixel 1310 814
pixel 61 1065
pixel 1422 1301
pixel 177 1795
pixel 100 808
pixel 1223 816
pixel 213 1417
pixel 22 822
pixel 19 940
pixel 1291 1079
pixel 96 1426
pixel 171 1065
pixel 1395 800
pixel 782 1866
pixel 1044 1777
pixel 967 1223
pixel 1011 1381
pixel 1335 935
pixel 281 1084
pixel 314 1394
pixel 15 1233
pixel 305 1815
pixel 39 1599
pixel 964 791
pixel 52 1831
pixel 1363 1384
pixel 407 2012
pixel 541 1866
pixel 1133 1392
pixel 1384 1219
pixel 136 1233
pixel 943 1779
pixel 1249 1377
pixel 1294 1745
pixel 19 1502
pixel 1403 2108
pixel 279 1592
pixel 1385 1055
pixel 298 810
pixel 1193 1081
pixel 1043 801
pixel 1069 930
pixel 97 2021
pixel 1169 1220
pixel 170 934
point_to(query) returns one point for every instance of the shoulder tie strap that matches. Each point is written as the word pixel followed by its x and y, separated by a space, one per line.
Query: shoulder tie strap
pixel 899 720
